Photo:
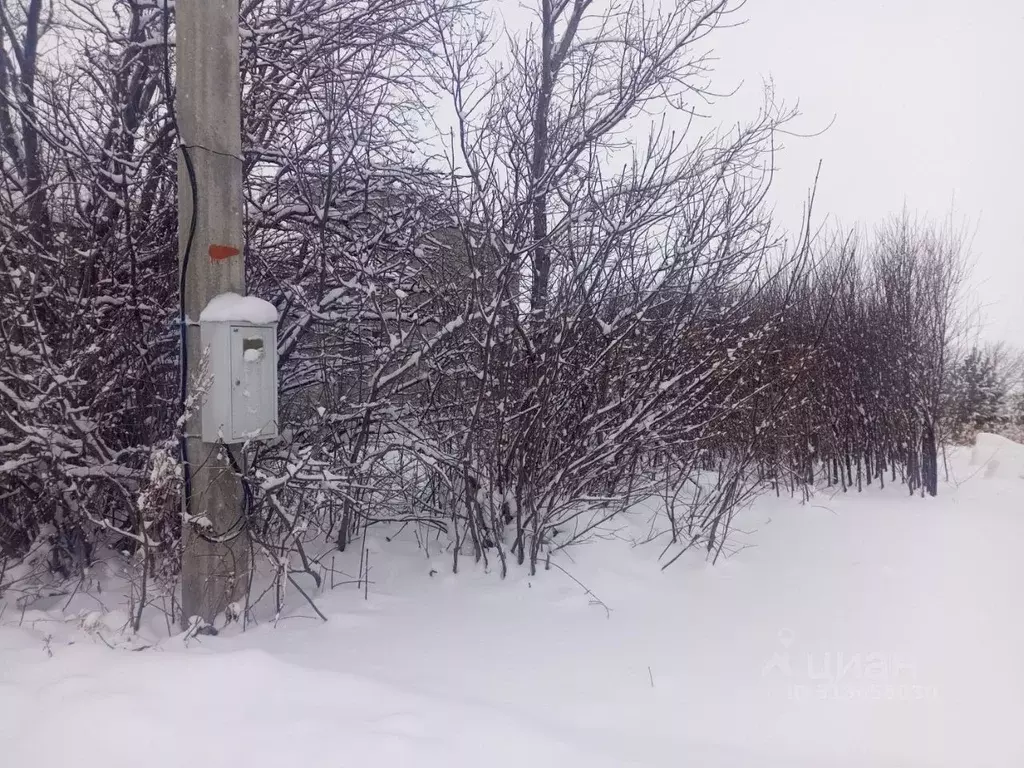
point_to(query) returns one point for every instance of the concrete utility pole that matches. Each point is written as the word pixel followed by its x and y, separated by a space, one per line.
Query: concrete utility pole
pixel 209 123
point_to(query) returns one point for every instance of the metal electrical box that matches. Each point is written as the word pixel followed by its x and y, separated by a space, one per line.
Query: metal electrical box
pixel 239 337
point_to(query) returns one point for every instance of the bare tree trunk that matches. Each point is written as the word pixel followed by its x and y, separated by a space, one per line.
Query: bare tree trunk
pixel 538 164
pixel 929 460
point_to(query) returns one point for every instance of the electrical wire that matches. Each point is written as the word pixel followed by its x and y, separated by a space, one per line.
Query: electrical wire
pixel 186 256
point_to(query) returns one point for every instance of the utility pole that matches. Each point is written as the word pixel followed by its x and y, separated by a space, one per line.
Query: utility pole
pixel 215 562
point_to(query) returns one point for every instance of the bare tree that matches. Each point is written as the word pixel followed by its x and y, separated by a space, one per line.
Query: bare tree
pixel 635 239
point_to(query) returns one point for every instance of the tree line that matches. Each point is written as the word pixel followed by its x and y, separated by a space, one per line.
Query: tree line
pixel 576 301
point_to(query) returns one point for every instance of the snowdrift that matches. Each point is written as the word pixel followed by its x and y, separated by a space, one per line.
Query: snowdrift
pixel 998 457
pixel 860 630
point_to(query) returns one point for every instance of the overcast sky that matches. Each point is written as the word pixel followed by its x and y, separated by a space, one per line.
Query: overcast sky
pixel 928 97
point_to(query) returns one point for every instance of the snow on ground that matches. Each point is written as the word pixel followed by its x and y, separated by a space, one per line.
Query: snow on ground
pixel 855 630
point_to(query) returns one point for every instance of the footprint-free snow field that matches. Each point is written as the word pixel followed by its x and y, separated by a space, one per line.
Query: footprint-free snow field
pixel 866 630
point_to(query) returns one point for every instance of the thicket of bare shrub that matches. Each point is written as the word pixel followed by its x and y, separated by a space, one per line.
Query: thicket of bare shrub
pixel 572 307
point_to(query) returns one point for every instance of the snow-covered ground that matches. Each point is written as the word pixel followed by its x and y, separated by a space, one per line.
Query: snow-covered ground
pixel 868 630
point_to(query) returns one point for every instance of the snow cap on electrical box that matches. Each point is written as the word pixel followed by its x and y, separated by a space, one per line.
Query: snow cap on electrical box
pixel 232 308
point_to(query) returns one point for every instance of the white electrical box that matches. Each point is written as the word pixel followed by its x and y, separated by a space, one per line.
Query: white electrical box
pixel 239 339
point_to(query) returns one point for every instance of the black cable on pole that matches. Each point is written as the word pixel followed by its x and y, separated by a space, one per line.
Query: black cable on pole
pixel 183 270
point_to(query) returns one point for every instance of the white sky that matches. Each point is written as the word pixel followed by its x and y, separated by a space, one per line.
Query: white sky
pixel 927 96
